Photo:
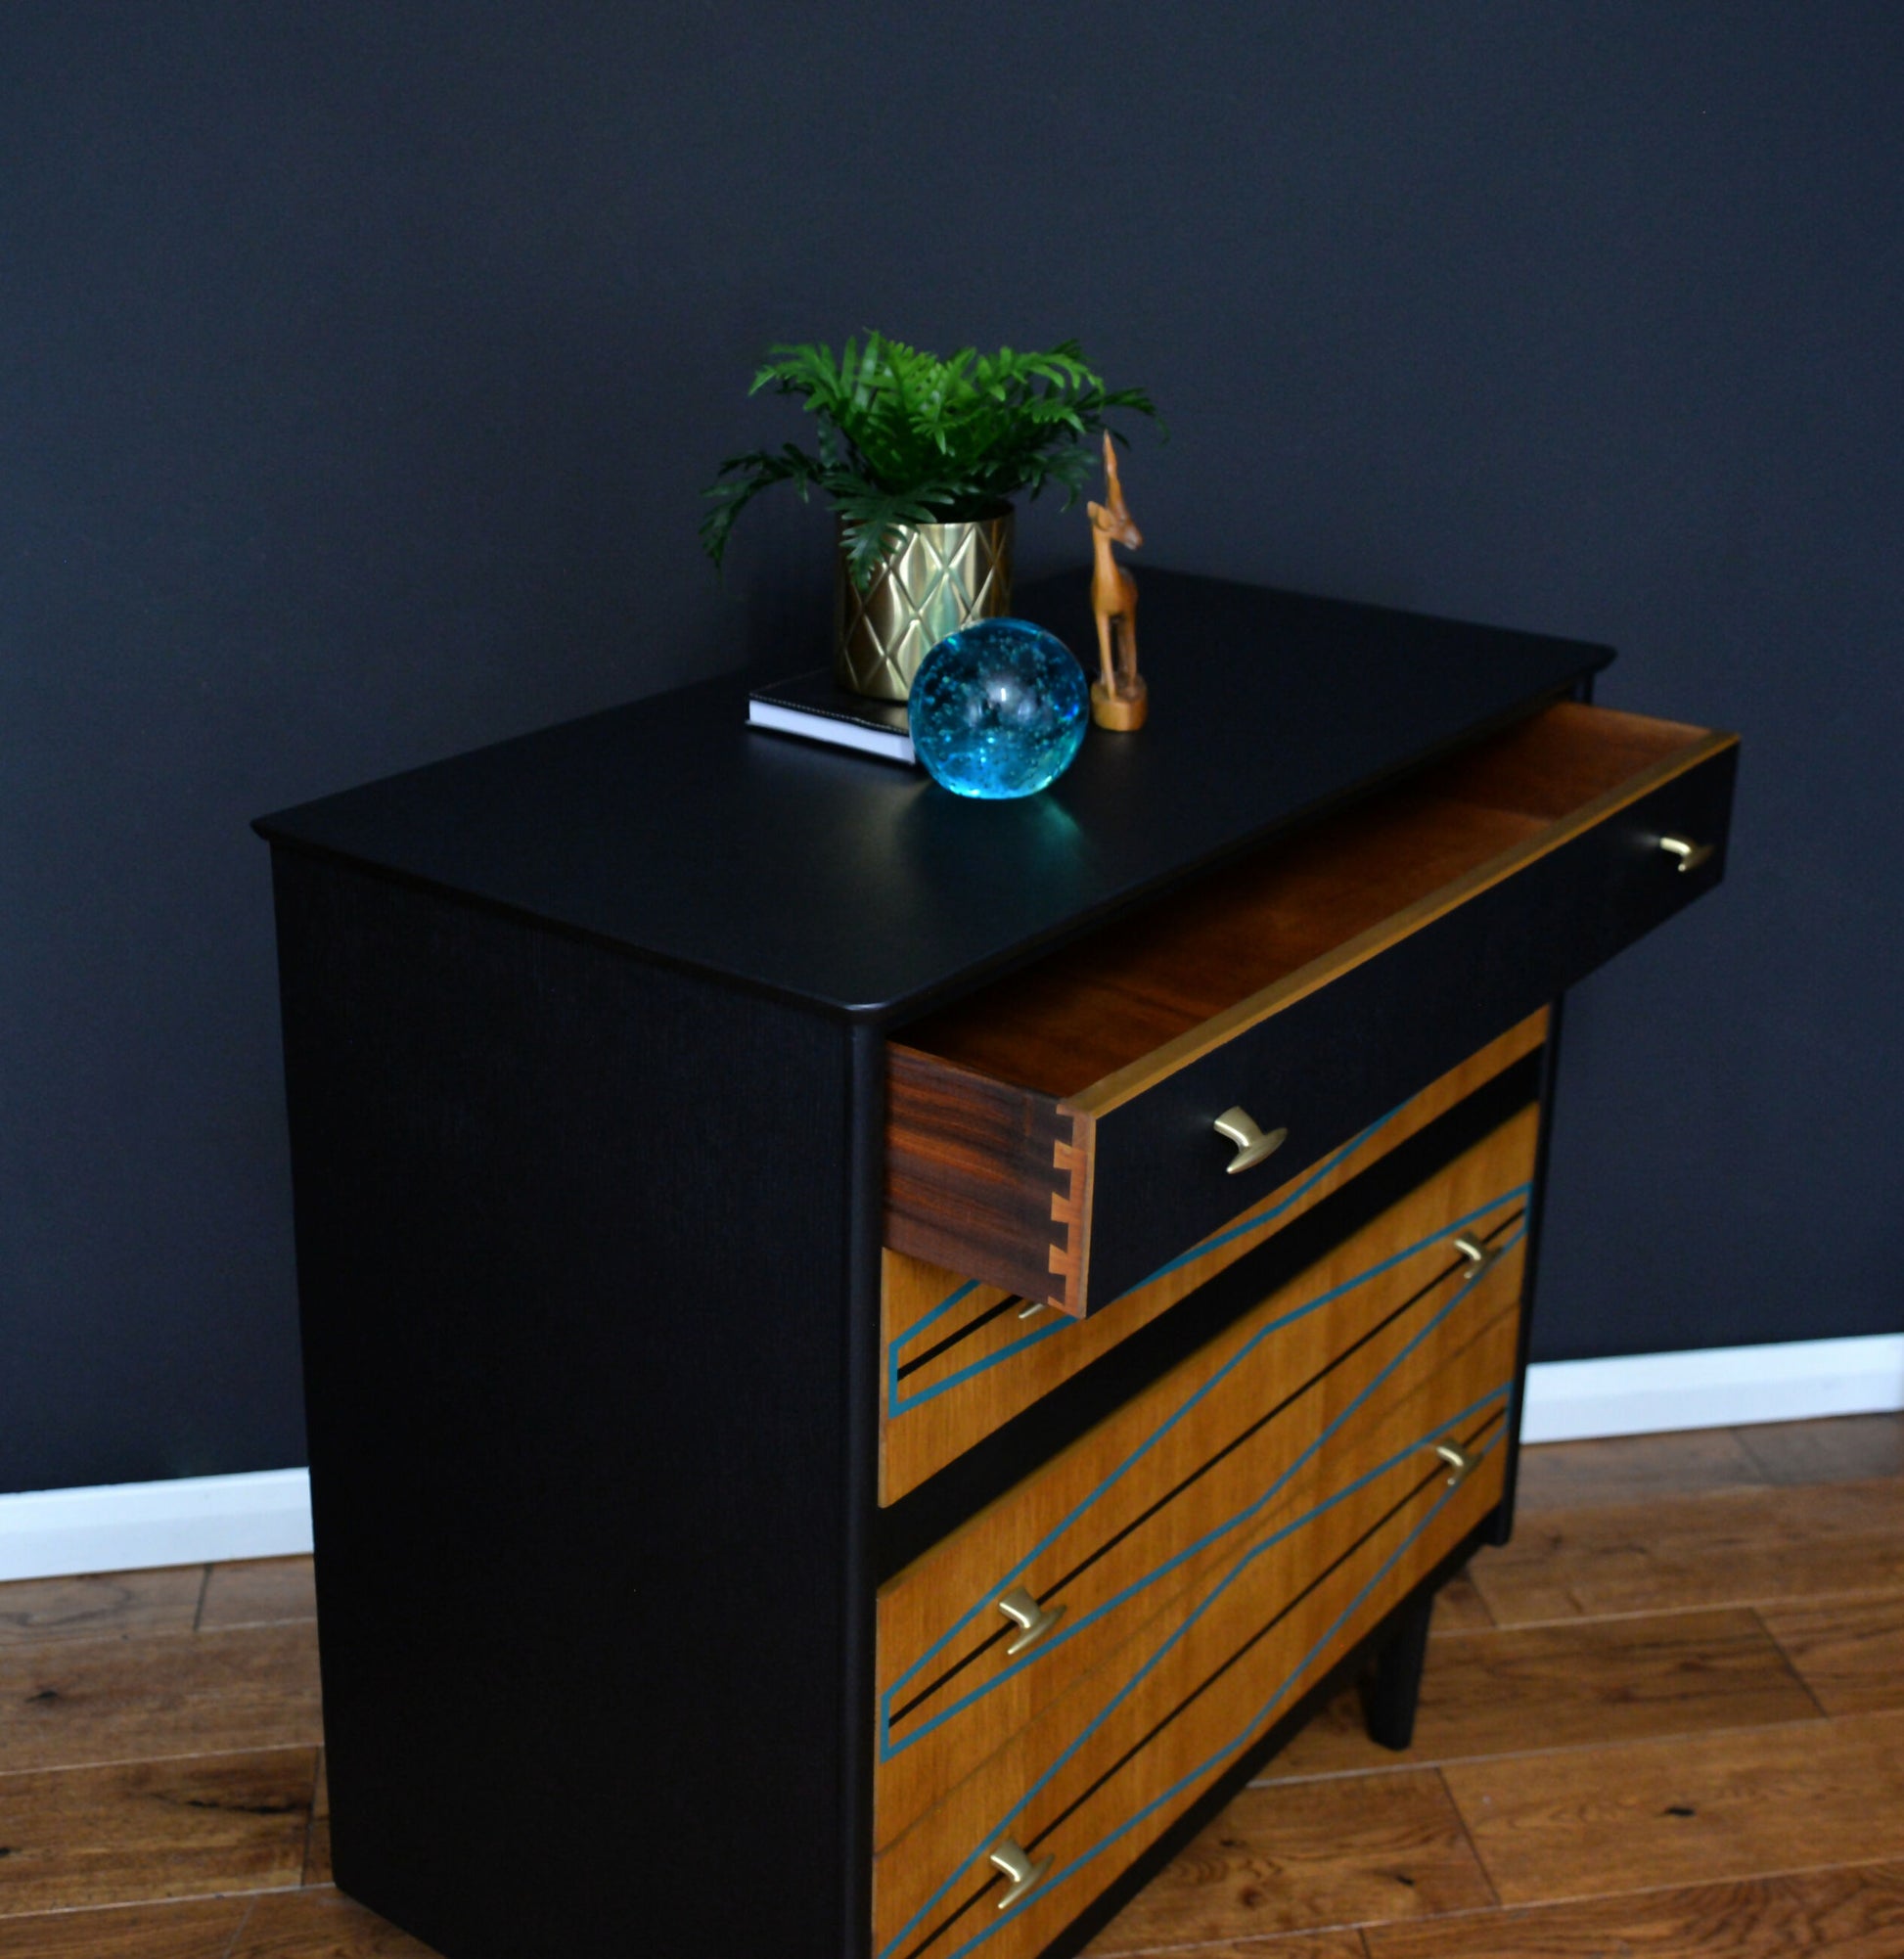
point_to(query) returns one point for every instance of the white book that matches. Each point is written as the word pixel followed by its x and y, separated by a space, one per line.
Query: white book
pixel 815 708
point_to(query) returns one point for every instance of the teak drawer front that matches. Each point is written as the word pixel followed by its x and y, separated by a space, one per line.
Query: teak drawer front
pixel 1118 1754
pixel 1367 957
pixel 962 1358
pixel 1290 1422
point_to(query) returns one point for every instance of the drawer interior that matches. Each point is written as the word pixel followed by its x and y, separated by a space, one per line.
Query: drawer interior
pixel 1107 1001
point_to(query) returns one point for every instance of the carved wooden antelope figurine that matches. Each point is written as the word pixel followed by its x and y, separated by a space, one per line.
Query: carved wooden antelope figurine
pixel 1119 700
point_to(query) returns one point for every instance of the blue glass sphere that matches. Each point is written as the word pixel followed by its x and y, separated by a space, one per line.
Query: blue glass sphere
pixel 999 708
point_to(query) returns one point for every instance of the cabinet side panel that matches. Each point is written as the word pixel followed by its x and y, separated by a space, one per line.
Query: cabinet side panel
pixel 573 1258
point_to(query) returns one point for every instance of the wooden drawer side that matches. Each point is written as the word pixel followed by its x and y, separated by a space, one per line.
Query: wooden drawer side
pixel 974 1163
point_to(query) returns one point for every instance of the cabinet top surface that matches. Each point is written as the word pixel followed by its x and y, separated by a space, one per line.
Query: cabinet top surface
pixel 671 826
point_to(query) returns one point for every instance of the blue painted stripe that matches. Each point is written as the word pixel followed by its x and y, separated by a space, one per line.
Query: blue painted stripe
pixel 950 1301
pixel 894 1405
pixel 1164 1429
pixel 888 1749
pixel 898 1404
pixel 1212 1763
pixel 1125 1693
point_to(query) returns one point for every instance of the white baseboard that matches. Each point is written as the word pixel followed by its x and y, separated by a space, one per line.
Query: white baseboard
pixel 209 1519
pixel 1714 1387
pixel 129 1527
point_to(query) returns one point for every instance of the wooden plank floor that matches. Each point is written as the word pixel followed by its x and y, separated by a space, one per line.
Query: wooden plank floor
pixel 1668 1720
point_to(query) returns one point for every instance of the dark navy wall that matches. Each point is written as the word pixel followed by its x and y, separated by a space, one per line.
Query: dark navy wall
pixel 360 364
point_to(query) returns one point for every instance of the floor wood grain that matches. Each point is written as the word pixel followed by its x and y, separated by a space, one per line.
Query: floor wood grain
pixel 264 1591
pixel 36 1612
pixel 1666 1723
pixel 1851 1449
pixel 1849 1652
pixel 1459 1607
pixel 317 1846
pixel 320 1923
pixel 1726 1547
pixel 1756 1802
pixel 192 1929
pixel 1569 1686
pixel 315 1923
pixel 213 1693
pixel 1322 1854
pixel 1635 1469
pixel 1345 1944
pixel 1844 1914
pixel 139 1831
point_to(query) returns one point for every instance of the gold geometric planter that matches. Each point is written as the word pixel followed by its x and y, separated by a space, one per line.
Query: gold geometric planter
pixel 936 579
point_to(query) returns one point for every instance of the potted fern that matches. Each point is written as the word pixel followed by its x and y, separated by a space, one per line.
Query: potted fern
pixel 921 458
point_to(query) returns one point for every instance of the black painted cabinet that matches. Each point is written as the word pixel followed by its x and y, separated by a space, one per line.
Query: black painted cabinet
pixel 814 1447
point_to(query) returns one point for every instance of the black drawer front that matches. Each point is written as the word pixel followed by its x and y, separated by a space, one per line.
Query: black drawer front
pixel 1327 1066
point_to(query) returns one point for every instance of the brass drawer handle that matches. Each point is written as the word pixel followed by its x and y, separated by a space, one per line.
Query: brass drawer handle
pixel 1479 1250
pixel 1252 1146
pixel 1022 1610
pixel 1690 855
pixel 1457 1460
pixel 1017 1865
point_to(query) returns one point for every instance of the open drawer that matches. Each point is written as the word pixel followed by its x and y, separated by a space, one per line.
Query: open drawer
pixel 1067 1129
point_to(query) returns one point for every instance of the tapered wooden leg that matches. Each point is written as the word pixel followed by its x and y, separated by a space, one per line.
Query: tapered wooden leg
pixel 1391 1691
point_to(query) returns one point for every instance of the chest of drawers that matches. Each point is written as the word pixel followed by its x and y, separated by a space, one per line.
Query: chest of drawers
pixel 870 1357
